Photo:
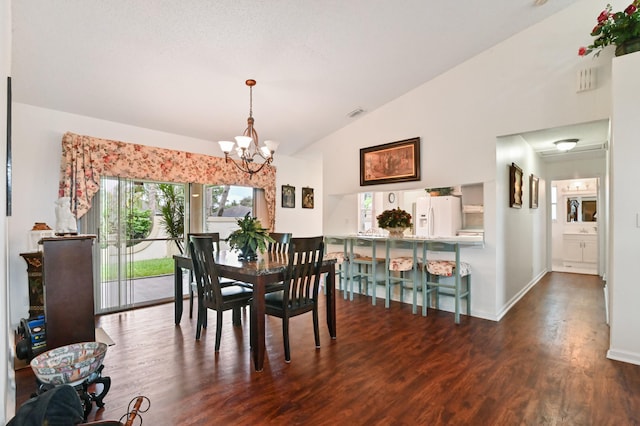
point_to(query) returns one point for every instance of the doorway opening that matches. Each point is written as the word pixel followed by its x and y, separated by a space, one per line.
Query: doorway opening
pixel 574 225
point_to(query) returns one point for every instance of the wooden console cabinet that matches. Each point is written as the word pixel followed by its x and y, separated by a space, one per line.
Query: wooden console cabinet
pixel 34 275
pixel 67 276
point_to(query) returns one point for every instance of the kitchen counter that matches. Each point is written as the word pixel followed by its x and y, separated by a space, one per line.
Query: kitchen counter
pixel 475 240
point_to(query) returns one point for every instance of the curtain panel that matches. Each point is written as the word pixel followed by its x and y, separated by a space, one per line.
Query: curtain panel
pixel 85 159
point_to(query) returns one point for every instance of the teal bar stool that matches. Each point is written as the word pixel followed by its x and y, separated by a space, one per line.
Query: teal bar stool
pixel 364 264
pixel 402 265
pixel 434 269
pixel 341 257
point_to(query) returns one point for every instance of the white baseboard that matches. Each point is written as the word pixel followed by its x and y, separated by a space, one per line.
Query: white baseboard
pixel 629 357
pixel 507 307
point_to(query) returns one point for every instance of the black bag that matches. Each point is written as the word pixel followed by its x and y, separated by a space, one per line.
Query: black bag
pixel 60 406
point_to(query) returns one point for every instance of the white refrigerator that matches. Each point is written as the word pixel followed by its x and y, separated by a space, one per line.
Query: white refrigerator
pixel 437 216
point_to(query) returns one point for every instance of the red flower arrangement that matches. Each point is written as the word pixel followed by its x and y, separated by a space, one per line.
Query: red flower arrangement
pixel 614 28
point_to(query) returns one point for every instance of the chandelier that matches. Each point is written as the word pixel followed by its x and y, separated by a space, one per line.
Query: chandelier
pixel 249 149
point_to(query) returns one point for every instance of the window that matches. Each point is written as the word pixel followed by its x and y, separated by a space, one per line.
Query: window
pixel 365 209
pixel 227 201
pixel 223 205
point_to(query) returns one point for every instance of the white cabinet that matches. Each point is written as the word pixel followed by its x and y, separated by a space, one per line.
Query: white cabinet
pixel 580 248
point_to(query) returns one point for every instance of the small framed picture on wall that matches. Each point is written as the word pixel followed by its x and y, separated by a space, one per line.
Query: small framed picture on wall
pixel 307 198
pixel 534 182
pixel 515 186
pixel 288 196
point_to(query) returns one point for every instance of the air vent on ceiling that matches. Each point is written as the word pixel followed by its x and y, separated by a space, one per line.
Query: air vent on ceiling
pixel 355 112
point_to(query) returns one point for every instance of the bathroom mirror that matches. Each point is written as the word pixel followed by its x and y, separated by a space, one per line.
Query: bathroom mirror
pixel 582 209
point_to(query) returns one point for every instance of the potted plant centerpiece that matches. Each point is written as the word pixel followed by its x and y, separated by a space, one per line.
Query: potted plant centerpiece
pixel 395 221
pixel 621 29
pixel 250 238
pixel 439 192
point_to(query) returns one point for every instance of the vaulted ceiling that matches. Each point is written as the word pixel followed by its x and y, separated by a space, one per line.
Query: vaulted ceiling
pixel 180 66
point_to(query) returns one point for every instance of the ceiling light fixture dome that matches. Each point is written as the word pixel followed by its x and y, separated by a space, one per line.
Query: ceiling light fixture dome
pixel 248 145
pixel 566 144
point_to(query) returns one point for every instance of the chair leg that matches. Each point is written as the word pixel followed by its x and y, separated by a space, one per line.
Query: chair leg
pixel 387 289
pixel 205 318
pixel 457 292
pixel 436 291
pixel 316 328
pixel 469 295
pixel 191 294
pixel 285 338
pixel 416 280
pixel 236 316
pixel 218 330
pixel 199 322
pixel 425 296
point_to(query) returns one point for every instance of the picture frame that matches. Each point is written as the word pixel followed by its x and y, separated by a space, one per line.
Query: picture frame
pixel 534 183
pixel 390 162
pixel 515 186
pixel 288 196
pixel 307 198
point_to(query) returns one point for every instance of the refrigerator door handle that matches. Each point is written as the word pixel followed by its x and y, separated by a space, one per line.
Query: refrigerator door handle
pixel 431 224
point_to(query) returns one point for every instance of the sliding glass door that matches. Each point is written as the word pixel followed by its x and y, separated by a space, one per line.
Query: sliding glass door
pixel 140 226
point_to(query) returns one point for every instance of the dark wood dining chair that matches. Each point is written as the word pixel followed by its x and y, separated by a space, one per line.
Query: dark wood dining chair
pixel 300 287
pixel 280 242
pixel 211 295
pixel 215 240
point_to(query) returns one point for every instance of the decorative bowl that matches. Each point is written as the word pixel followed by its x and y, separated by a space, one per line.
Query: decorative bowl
pixel 70 364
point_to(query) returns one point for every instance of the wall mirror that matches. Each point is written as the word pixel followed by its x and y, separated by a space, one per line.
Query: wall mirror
pixel 582 209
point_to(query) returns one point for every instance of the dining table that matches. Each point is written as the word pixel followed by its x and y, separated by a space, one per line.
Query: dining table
pixel 269 268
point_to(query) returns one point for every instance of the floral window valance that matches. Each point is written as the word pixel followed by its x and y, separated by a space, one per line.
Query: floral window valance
pixel 85 159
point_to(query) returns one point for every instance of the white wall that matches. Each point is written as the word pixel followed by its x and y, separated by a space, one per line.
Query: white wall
pixel 299 172
pixel 523 260
pixel 525 83
pixel 625 211
pixel 7 382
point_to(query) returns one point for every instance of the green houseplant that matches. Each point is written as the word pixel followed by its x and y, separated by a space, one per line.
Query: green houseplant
pixel 250 238
pixel 621 29
pixel 435 192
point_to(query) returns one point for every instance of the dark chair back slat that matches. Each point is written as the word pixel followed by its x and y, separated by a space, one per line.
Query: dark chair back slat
pixel 215 239
pixel 302 278
pixel 280 243
pixel 204 267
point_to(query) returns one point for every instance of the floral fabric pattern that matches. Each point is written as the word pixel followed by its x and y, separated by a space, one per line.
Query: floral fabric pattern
pixel 403 263
pixel 85 159
pixel 446 268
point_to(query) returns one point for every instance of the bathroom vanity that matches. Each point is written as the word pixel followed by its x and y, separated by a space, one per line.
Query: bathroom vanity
pixel 580 249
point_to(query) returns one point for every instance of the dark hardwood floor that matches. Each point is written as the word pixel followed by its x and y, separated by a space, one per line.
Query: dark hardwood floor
pixel 544 363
